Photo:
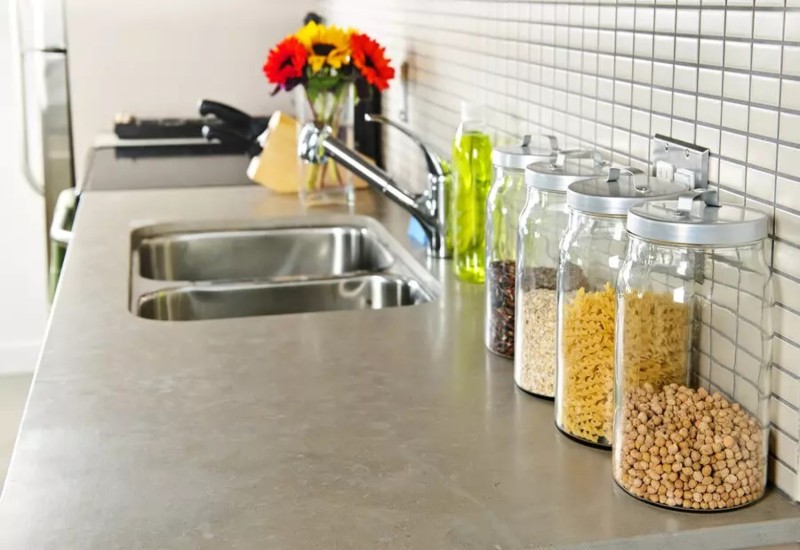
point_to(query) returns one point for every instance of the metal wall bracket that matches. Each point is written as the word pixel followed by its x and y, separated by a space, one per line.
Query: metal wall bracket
pixel 686 160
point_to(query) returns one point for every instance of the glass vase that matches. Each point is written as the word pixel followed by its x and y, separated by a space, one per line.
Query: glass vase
pixel 326 183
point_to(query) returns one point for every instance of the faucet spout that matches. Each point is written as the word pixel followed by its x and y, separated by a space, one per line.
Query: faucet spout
pixel 317 144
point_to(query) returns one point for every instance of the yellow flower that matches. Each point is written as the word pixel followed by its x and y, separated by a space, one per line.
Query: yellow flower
pixel 325 44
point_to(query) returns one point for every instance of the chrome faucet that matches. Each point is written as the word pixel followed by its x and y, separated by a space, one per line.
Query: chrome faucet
pixel 317 144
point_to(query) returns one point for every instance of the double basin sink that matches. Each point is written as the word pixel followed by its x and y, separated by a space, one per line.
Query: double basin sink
pixel 283 266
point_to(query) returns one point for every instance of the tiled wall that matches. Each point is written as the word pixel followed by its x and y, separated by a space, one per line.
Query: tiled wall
pixel 725 75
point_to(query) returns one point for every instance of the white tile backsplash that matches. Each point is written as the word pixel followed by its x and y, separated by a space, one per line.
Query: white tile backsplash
pixel 612 74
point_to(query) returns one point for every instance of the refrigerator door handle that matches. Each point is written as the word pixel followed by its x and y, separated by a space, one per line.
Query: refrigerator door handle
pixel 65 206
pixel 25 165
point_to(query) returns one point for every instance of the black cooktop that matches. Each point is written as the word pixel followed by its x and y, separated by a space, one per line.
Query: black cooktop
pixel 166 166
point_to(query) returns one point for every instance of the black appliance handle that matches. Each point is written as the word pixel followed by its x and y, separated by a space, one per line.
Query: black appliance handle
pixel 232 136
pixel 226 113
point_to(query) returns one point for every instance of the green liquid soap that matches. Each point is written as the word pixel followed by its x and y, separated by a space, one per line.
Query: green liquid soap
pixel 472 179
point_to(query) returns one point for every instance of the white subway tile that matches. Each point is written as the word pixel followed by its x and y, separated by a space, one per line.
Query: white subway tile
pixel 737 55
pixel 792 25
pixel 738 24
pixel 709 82
pixel 712 23
pixel 645 18
pixel 711 52
pixel 662 74
pixel 768 25
pixel 683 130
pixel 643 45
pixel 767 58
pixel 707 137
pixel 762 153
pixel 789 161
pixel 688 21
pixel 665 20
pixel 790 128
pixel 787 193
pixel 786 258
pixel 709 110
pixel 785 354
pixel 785 479
pixel 732 175
pixel 764 122
pixel 787 323
pixel 686 49
pixel 663 47
pixel 684 105
pixel 790 95
pixel 787 227
pixel 765 90
pixel 784 416
pixel 734 116
pixel 625 17
pixel 783 447
pixel 791 60
pixel 624 43
pixel 761 184
pixel 733 146
pixel 736 86
pixel 786 387
pixel 662 101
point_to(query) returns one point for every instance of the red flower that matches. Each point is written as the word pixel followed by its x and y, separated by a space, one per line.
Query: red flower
pixel 370 60
pixel 286 63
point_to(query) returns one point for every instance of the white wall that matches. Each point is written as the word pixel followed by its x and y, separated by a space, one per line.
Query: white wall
pixel 23 271
pixel 154 58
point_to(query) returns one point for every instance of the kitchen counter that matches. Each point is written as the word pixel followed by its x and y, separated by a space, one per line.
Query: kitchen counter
pixel 351 429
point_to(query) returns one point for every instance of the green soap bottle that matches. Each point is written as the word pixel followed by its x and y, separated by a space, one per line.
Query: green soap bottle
pixel 471 180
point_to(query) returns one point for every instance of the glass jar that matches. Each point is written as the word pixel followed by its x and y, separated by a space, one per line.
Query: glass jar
pixel 541 226
pixel 692 410
pixel 591 254
pixel 503 205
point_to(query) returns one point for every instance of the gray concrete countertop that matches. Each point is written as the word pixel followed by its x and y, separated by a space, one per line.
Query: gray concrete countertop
pixel 370 429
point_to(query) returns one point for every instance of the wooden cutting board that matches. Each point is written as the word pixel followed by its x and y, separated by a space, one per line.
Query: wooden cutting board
pixel 276 167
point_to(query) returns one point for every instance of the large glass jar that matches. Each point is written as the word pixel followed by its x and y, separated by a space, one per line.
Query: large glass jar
pixel 503 205
pixel 693 357
pixel 541 226
pixel 592 251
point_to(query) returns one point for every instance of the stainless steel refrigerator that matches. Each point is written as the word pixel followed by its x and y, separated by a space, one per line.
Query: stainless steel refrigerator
pixel 38 28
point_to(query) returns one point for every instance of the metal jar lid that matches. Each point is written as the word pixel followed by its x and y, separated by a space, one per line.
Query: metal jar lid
pixel 616 193
pixel 568 167
pixel 696 218
pixel 517 157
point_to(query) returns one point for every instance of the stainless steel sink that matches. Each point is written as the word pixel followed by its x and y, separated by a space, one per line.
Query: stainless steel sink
pixel 221 301
pixel 209 271
pixel 261 253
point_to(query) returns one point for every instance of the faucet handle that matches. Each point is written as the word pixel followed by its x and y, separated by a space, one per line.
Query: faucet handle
pixel 432 161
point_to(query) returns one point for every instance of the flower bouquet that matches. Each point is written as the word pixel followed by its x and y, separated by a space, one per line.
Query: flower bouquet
pixel 328 67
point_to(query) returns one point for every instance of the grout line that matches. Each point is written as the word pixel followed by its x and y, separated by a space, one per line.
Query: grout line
pixel 783 369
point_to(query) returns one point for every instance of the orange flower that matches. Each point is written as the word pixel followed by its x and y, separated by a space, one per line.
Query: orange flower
pixel 369 58
pixel 286 63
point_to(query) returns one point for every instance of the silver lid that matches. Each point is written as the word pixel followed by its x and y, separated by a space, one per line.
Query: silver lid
pixel 616 193
pixel 517 157
pixel 567 168
pixel 690 220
